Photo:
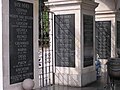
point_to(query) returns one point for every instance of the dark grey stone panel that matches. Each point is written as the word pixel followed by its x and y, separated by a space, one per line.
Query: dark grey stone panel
pixel 20 41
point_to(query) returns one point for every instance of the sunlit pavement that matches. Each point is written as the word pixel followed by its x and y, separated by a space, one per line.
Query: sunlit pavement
pixel 100 84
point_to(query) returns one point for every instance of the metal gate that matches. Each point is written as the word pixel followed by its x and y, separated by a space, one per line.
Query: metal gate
pixel 45 47
pixel 103 39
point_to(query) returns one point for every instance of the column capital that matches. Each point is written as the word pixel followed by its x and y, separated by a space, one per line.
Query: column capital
pixel 81 4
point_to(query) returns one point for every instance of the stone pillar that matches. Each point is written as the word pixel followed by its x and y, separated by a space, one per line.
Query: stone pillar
pixel 106 12
pixel 109 12
pixel 83 16
pixel 20 42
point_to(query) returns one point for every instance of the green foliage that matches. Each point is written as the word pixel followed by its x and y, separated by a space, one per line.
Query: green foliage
pixel 44 37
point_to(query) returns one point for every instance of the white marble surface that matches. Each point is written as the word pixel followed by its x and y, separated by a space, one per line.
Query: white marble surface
pixel 1 65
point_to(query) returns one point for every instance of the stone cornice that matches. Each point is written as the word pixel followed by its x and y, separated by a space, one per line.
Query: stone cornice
pixel 75 2
pixel 58 3
pixel 105 12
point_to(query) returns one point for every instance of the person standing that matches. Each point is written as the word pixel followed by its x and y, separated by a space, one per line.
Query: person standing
pixel 98 67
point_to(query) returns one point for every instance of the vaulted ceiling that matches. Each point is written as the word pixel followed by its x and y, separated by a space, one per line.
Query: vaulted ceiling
pixel 109 4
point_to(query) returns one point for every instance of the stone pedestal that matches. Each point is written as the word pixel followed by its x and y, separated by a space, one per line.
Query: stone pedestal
pixel 83 12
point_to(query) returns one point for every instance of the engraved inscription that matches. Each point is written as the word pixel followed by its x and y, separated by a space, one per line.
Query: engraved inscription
pixel 88 40
pixel 20 41
pixel 103 39
pixel 65 40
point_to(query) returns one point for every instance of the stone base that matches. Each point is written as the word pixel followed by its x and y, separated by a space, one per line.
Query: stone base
pixel 88 78
pixel 67 79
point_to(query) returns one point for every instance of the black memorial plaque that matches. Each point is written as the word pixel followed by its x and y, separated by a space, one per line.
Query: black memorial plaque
pixel 65 40
pixel 20 41
pixel 103 39
pixel 118 38
pixel 88 40
pixel 118 34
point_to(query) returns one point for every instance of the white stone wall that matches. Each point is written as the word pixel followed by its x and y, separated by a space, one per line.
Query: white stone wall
pixel 1 63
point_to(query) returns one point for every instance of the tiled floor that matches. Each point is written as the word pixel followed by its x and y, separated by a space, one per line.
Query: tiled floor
pixel 97 85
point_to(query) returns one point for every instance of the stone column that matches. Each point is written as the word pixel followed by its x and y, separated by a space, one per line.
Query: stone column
pixel 109 12
pixel 83 16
